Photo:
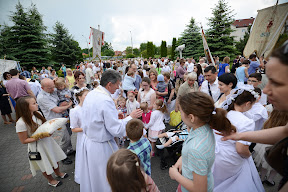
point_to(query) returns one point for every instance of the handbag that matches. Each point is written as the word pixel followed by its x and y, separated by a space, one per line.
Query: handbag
pixel 34 156
pixel 277 155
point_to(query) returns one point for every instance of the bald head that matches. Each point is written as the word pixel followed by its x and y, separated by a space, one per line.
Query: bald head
pixel 47 85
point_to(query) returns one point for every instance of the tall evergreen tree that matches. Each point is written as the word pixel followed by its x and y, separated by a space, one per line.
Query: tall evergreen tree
pixel 64 48
pixel 218 37
pixel 25 40
pixel 150 49
pixel 173 49
pixel 163 50
pixel 191 37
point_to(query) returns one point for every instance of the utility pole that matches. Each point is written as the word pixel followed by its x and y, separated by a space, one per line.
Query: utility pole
pixel 87 46
pixel 131 42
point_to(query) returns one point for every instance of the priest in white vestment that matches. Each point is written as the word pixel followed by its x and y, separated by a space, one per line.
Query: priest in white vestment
pixel 100 125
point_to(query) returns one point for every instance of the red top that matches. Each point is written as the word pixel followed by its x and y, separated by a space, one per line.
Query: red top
pixel 146 117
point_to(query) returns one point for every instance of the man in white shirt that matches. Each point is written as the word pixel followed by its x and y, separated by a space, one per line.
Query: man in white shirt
pixel 166 68
pixel 96 68
pixel 89 74
pixel 210 85
pixel 190 66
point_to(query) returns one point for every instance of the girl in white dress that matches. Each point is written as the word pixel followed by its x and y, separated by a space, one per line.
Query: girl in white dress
pixel 131 103
pixel 234 169
pixel 28 120
pixel 156 125
pixel 75 125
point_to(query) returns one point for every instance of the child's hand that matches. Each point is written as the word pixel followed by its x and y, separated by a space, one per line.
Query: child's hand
pixel 67 96
pixel 63 104
pixel 173 172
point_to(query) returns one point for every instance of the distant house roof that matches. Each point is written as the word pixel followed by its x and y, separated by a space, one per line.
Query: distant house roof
pixel 243 22
pixel 84 54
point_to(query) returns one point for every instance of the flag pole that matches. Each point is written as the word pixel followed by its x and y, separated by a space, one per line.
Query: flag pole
pixel 206 48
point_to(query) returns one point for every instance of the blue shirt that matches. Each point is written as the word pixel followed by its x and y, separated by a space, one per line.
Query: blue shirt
pixel 240 74
pixel 142 149
pixel 253 66
pixel 222 67
pixel 198 155
pixel 26 74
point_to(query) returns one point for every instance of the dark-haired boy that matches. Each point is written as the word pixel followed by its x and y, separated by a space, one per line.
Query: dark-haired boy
pixel 255 80
pixel 138 144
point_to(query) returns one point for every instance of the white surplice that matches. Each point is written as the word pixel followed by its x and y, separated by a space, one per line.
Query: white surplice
pixel 100 123
pixel 232 172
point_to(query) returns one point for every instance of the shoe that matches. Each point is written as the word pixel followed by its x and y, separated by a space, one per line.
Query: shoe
pixel 270 183
pixel 55 185
pixel 67 161
pixel 163 165
pixel 72 152
pixel 63 176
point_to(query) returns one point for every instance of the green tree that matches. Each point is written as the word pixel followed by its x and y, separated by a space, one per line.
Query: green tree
pixel 107 49
pixel 163 49
pixel 219 37
pixel 128 50
pixel 143 46
pixel 25 40
pixel 150 49
pixel 173 49
pixel 64 48
pixel 192 39
pixel 136 52
pixel 144 54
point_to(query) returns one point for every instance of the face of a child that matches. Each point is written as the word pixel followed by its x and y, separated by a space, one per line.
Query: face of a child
pixel 122 103
pixel 33 106
pixel 155 106
pixel 131 97
pixel 253 81
pixel 61 87
pixel 195 69
pixel 96 76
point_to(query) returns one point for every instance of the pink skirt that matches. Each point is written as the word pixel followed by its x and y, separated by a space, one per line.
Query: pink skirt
pixel 152 133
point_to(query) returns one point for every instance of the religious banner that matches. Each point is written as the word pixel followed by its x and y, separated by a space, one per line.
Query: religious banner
pixel 266 30
pixel 206 49
pixel 98 41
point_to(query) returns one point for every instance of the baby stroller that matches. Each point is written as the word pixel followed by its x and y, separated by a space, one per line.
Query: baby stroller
pixel 174 149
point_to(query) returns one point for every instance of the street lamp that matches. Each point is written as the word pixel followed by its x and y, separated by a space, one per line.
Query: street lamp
pixel 87 46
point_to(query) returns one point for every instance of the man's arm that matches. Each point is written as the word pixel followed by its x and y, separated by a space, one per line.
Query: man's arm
pixel 62 108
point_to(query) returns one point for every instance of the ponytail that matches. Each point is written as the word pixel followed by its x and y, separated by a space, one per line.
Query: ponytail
pixel 201 105
pixel 220 122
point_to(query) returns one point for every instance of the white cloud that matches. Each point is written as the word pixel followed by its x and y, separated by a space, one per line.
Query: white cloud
pixel 148 20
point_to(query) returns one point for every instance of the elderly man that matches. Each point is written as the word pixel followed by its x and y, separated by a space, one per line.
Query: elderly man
pixel 190 85
pixel 48 101
pixel 210 85
pixel 89 74
pixel 100 125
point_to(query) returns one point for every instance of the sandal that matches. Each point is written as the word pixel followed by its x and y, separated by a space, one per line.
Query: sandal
pixel 270 183
pixel 63 176
pixel 55 185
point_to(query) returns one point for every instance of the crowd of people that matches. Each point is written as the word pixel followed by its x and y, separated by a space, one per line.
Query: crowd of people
pixel 132 101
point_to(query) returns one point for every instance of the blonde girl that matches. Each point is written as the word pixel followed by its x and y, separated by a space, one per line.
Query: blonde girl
pixel 156 125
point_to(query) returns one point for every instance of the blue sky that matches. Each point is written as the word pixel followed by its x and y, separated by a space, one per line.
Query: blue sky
pixel 147 20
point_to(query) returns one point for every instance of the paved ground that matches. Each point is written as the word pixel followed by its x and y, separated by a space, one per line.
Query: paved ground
pixel 15 174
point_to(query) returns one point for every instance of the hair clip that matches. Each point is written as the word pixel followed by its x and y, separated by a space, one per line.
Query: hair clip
pixel 137 164
pixel 214 111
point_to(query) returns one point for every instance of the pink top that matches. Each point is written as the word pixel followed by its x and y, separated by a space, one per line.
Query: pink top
pixel 146 117
pixel 17 87
pixel 150 185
